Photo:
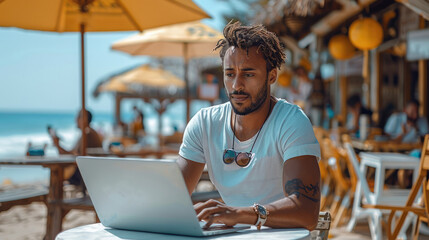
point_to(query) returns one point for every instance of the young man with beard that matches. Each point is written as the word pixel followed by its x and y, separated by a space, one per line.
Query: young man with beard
pixel 260 151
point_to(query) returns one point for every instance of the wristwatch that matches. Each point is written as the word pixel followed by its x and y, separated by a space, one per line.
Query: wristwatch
pixel 262 213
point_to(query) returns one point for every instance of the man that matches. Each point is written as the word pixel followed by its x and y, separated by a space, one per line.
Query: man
pixel 355 108
pixel 92 141
pixel 407 126
pixel 261 152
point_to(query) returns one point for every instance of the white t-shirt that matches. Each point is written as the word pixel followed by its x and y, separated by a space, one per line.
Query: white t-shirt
pixel 287 133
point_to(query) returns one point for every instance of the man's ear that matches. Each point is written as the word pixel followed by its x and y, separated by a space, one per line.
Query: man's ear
pixel 272 76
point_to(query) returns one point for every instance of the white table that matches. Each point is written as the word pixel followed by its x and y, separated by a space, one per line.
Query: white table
pixel 381 162
pixel 98 231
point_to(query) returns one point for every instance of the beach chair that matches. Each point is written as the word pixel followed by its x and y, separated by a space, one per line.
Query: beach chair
pixel 22 196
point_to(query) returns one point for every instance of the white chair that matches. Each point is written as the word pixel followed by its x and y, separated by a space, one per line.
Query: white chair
pixel 364 197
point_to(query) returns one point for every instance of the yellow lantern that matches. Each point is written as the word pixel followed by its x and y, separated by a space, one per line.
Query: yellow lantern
pixel 305 63
pixel 366 33
pixel 285 79
pixel 340 47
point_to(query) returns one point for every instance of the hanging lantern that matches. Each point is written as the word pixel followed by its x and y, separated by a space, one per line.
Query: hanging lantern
pixel 305 63
pixel 285 79
pixel 365 34
pixel 340 47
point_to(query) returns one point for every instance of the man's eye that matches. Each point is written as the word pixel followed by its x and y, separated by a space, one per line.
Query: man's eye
pixel 229 74
pixel 249 75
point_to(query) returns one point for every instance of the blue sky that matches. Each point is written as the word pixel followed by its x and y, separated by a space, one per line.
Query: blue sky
pixel 40 71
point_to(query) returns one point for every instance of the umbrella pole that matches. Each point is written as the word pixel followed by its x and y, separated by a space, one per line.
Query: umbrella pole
pixel 187 91
pixel 83 110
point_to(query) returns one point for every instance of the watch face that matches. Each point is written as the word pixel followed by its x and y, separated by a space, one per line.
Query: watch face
pixel 262 211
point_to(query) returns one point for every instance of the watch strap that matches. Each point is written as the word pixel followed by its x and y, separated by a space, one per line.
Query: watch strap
pixel 262 214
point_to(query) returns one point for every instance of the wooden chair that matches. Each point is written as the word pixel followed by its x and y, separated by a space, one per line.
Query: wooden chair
pixel 341 183
pixel 322 229
pixel 325 177
pixel 412 205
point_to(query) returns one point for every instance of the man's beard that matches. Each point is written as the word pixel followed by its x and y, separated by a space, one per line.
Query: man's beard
pixel 254 105
pixel 411 120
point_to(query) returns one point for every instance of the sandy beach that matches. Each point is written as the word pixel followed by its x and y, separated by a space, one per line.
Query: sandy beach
pixel 29 222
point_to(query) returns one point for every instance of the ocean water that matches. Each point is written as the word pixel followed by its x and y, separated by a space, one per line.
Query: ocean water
pixel 17 129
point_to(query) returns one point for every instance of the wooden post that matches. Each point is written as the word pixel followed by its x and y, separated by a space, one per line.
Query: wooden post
pixel 343 92
pixel 423 79
pixel 54 218
pixel 118 100
pixel 423 87
pixel 187 90
pixel 83 111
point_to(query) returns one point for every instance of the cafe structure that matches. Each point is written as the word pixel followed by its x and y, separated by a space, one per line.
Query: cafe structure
pixel 377 49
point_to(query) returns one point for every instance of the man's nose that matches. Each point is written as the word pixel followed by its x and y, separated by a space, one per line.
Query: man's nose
pixel 238 83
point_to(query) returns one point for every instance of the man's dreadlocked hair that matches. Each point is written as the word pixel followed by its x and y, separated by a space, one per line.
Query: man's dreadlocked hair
pixel 245 37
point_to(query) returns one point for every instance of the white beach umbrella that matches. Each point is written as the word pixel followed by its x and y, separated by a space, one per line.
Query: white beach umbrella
pixel 187 40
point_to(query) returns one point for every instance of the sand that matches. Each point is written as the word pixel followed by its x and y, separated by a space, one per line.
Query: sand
pixel 29 222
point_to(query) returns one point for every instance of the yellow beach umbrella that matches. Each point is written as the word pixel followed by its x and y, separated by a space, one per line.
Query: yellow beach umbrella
pixel 187 40
pixel 95 16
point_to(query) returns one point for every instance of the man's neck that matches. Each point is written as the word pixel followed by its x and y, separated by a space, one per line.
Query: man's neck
pixel 246 126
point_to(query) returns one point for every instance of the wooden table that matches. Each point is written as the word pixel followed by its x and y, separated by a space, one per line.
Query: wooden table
pixel 384 146
pixel 98 231
pixel 55 196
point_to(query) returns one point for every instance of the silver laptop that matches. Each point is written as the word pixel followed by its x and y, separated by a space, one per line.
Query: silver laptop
pixel 144 195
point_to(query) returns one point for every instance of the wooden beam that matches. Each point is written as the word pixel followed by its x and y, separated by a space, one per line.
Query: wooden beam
pixel 423 79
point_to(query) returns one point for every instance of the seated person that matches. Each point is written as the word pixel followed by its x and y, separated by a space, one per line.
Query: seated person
pixel 407 126
pixel 137 125
pixel 355 109
pixel 92 141
pixel 260 151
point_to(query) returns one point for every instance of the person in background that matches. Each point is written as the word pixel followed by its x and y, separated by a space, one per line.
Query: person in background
pixel 407 126
pixel 260 151
pixel 92 141
pixel 137 125
pixel 356 110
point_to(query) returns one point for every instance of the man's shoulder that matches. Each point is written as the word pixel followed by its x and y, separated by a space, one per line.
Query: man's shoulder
pixel 288 110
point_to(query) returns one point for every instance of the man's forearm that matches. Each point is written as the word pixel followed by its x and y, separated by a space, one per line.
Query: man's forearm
pixel 293 211
pixel 299 209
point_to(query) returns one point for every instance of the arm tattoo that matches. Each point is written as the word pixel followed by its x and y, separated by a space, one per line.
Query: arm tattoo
pixel 297 187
